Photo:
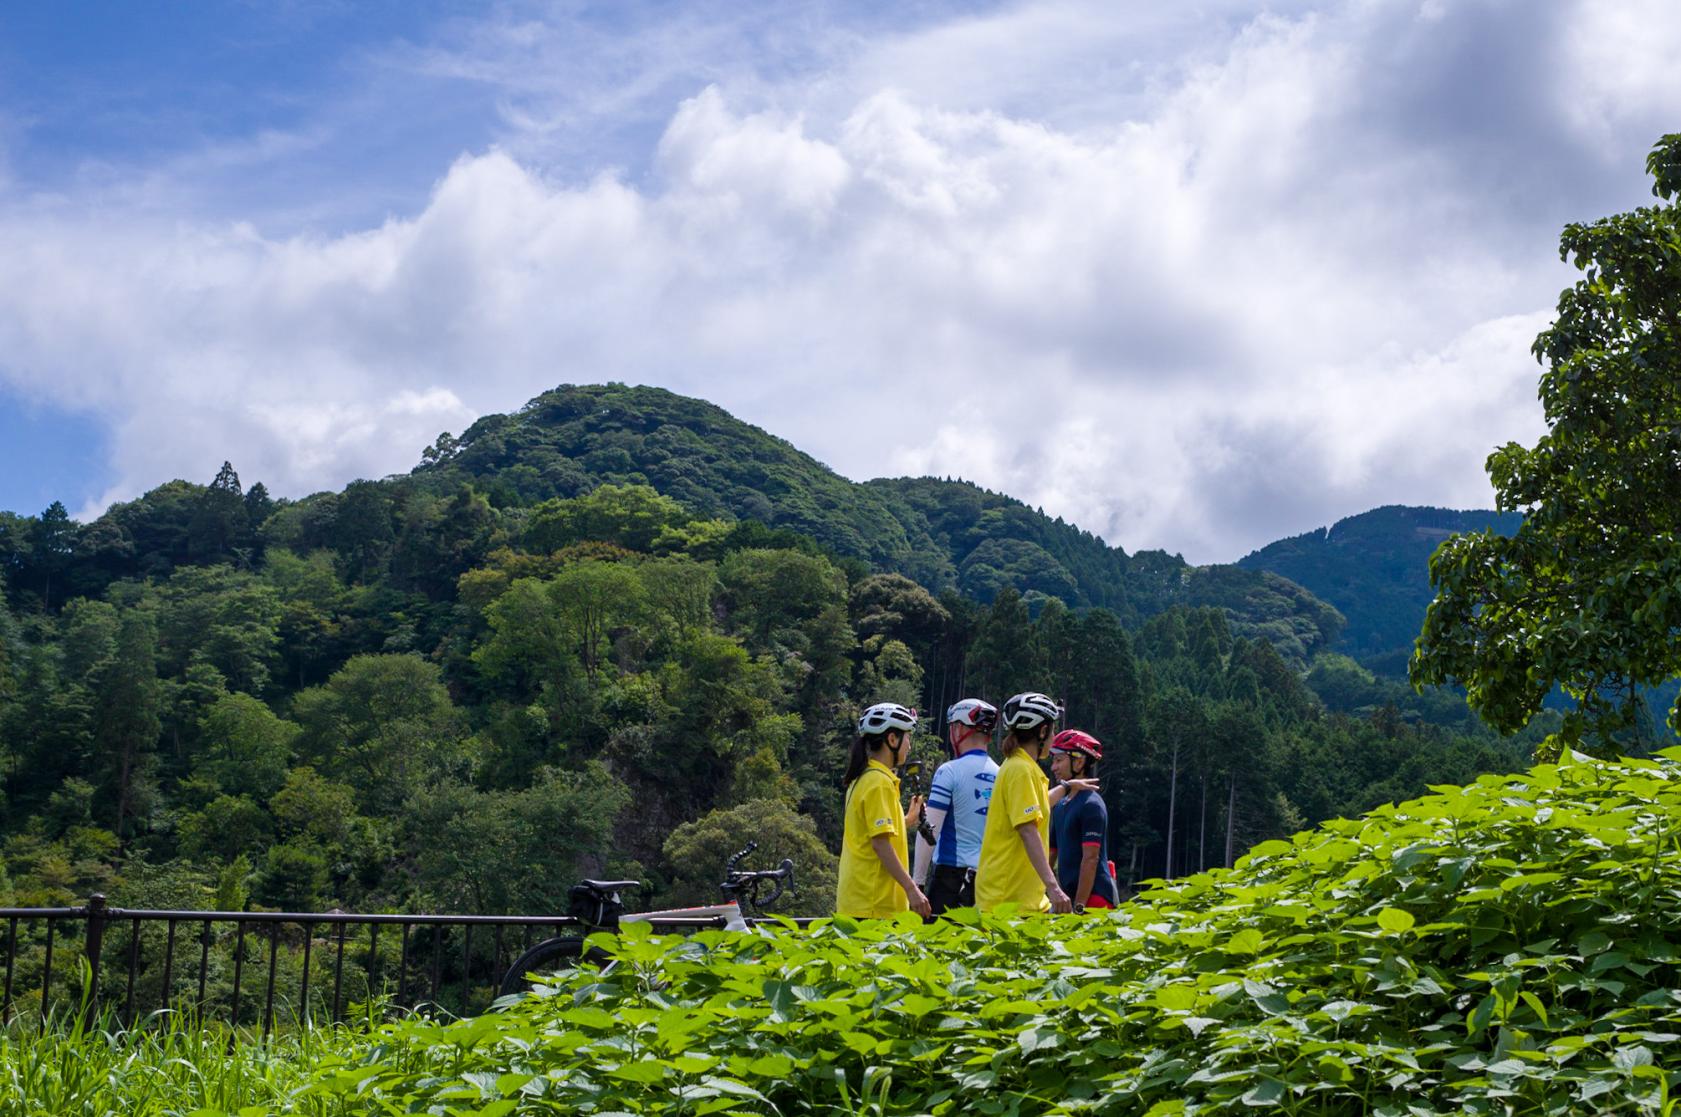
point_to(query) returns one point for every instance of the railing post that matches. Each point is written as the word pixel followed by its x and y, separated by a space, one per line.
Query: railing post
pixel 95 942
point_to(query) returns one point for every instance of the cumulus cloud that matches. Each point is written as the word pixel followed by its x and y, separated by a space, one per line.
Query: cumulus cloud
pixel 1192 282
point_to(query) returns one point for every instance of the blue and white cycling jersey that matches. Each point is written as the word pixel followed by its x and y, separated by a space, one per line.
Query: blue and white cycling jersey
pixel 963 789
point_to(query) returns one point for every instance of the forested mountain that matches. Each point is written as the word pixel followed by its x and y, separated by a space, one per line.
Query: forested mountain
pixel 1375 569
pixel 565 644
pixel 943 534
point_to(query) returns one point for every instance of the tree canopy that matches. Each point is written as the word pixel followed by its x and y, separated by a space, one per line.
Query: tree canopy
pixel 1586 594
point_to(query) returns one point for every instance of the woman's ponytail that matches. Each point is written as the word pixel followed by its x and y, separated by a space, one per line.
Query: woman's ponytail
pixel 859 758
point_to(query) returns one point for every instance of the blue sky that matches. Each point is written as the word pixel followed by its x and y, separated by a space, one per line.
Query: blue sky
pixel 1252 268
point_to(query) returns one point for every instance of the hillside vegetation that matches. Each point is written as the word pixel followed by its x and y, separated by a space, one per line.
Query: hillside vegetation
pixel 1375 569
pixel 388 696
pixel 943 534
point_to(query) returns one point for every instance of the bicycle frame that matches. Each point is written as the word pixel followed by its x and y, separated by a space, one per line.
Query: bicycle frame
pixel 730 913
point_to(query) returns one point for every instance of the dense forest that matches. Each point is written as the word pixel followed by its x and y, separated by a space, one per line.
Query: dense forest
pixel 1375 569
pixel 622 632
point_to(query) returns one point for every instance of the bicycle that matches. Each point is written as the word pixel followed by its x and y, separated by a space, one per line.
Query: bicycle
pixel 597 906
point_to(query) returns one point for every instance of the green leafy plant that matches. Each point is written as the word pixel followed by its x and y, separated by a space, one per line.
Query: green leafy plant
pixel 1504 947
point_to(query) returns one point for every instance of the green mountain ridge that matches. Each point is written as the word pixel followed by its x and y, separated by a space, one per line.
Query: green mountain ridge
pixel 944 534
pixel 1375 569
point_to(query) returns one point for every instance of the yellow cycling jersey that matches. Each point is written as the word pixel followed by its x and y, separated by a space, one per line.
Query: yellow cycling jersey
pixel 872 807
pixel 1020 795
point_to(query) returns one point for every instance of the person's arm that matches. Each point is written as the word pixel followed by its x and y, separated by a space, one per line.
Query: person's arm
pixel 936 809
pixel 1094 824
pixel 1088 873
pixel 1028 832
pixel 925 850
pixel 1071 787
pixel 883 845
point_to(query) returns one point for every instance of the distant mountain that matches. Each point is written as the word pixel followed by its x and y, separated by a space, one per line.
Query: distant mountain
pixel 1375 568
pixel 945 534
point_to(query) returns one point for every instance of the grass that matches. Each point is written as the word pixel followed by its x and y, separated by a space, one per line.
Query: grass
pixel 172 1066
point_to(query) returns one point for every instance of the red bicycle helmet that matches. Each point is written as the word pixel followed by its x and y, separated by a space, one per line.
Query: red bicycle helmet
pixel 1077 740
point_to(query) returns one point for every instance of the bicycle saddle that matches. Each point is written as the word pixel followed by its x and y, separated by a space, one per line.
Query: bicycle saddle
pixel 610 885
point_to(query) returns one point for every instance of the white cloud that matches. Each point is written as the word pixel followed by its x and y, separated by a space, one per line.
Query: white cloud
pixel 1621 61
pixel 1235 282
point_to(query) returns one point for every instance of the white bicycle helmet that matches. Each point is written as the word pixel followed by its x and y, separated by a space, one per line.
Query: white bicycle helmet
pixel 973 712
pixel 1026 710
pixel 884 716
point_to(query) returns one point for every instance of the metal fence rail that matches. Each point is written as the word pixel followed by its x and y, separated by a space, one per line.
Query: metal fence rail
pixel 430 967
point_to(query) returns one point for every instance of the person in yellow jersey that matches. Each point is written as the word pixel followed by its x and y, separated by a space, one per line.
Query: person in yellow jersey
pixel 874 878
pixel 1015 862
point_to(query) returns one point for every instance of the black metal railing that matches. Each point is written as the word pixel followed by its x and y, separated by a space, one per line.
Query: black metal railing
pixel 422 964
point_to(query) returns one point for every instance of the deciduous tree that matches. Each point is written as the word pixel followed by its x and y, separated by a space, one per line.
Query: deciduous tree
pixel 1586 595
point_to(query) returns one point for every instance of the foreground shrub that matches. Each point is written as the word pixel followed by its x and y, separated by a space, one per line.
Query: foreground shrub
pixel 1507 947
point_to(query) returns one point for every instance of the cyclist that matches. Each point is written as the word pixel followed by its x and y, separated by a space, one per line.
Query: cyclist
pixel 956 808
pixel 1080 824
pixel 874 878
pixel 1014 861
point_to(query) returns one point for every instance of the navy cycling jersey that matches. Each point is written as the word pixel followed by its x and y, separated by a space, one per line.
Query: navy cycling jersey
pixel 1076 822
pixel 963 789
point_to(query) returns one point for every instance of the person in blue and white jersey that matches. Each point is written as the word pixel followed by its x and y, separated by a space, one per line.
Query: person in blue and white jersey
pixel 956 809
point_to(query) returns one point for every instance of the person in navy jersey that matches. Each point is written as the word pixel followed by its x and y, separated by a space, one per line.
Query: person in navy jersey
pixel 1080 824
pixel 956 808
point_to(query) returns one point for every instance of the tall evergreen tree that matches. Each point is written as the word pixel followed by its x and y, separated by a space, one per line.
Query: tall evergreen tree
pixel 52 546
pixel 1004 658
pixel 221 525
pixel 128 697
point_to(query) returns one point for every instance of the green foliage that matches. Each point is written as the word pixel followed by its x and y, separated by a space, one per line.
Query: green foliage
pixel 312 807
pixel 1584 595
pixel 179 1067
pixel 531 649
pixel 221 523
pixel 228 826
pixel 294 877
pixel 697 851
pixel 568 441
pixel 632 516
pixel 384 725
pixel 218 616
pixel 680 590
pixel 517 851
pixel 792 607
pixel 1374 568
pixel 1498 948
pixel 247 749
pixel 1266 607
pixel 126 722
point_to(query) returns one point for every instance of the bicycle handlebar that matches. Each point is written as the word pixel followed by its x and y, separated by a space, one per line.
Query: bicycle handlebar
pixel 740 856
pixel 745 885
